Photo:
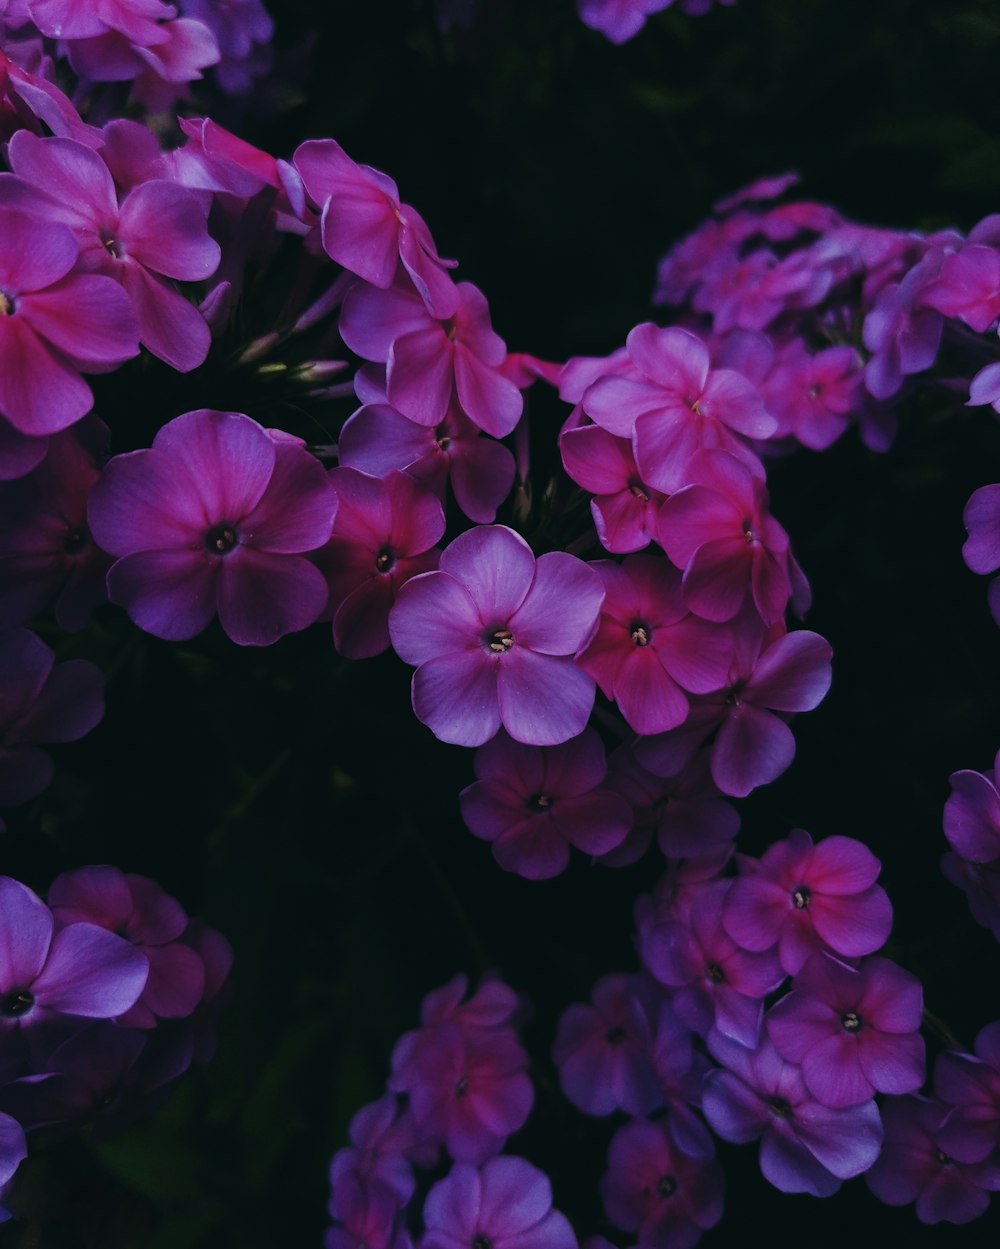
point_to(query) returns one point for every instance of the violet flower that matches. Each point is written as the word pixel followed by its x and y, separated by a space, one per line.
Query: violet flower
pixel 914 1167
pixel 46 549
pixel 653 1188
pixel 136 908
pixel 492 634
pixel 804 898
pixel 854 1031
pixel 54 324
pixel 383 534
pixel 982 547
pixel 215 517
pixel 506 1204
pixel 805 1147
pixel 534 802
pixel 603 1051
pixel 970 1084
pixel 80 970
pixel 40 701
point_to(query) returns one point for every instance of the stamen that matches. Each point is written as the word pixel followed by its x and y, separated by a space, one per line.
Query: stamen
pixel 384 560
pixel 640 634
pixel 501 640
pixel 851 1021
pixel 800 897
pixel 715 973
pixel 221 539
pixel 16 1003
pixel 666 1186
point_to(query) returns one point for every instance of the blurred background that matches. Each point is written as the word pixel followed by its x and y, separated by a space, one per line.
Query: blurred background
pixel 292 800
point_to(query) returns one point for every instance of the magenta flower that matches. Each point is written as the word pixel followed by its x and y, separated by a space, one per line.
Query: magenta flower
pixel 215 517
pixel 970 1085
pixel 854 1031
pixel 805 898
pixel 136 908
pixel 158 232
pixel 377 439
pixel 618 20
pixel 813 396
pixel 53 326
pixel 46 550
pixel 380 1139
pixel 40 701
pixel 534 802
pixel 624 507
pixel 80 970
pixel 805 1147
pixel 715 982
pixel 366 229
pixel 649 649
pixel 653 1188
pixel 382 536
pixel 506 1204
pixel 982 547
pixel 720 532
pixel 686 813
pixel 967 287
pixel 429 359
pixel 902 334
pixel 492 634
pixel 464 1073
pixel 914 1167
pixel 676 406
pixel 603 1051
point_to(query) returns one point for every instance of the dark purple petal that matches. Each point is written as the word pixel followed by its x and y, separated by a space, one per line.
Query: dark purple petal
pixel 91 972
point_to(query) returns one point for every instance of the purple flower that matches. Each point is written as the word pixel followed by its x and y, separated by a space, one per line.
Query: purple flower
pixel 506 1204
pixel 429 359
pixel 603 1051
pixel 366 228
pixel 377 439
pixel 624 507
pixel 215 517
pixel 464 1072
pixel 382 536
pixel 652 1187
pixel 967 287
pixel 970 1084
pixel 136 908
pixel 982 547
pixel 159 231
pixel 853 1031
pixel 80 970
pixel 54 325
pixel 534 802
pixel 715 982
pixel 914 1167
pixel 720 532
pixel 380 1139
pixel 40 701
pixel 46 549
pixel 804 1147
pixel 803 898
pixel 649 648
pixel 618 20
pixel 492 634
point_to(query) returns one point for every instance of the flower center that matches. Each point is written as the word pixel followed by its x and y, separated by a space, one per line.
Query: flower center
pixel 640 633
pixel 944 1159
pixel 112 246
pixel 384 560
pixel 75 540
pixel 539 802
pixel 6 305
pixel 748 534
pixel 639 490
pixel 715 973
pixel 19 1002
pixel 800 897
pixel 615 1035
pixel 499 640
pixel 479 1241
pixel 462 1087
pixel 221 539
pixel 778 1106
pixel 666 1186
pixel 851 1021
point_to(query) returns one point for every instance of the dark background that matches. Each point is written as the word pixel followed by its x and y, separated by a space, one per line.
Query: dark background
pixel 291 799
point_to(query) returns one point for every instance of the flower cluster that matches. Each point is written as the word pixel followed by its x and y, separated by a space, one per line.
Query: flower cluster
pixel 464 1077
pixel 106 995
